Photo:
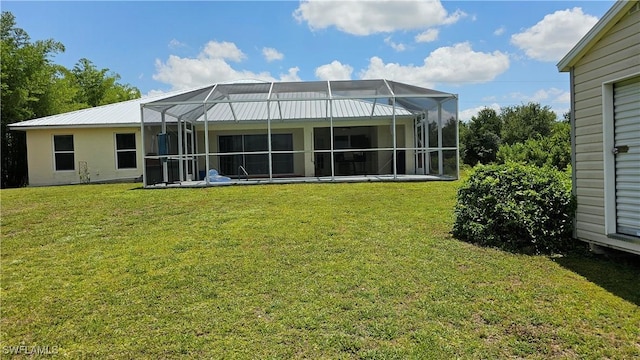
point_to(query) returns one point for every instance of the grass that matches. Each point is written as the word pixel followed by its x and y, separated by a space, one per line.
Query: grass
pixel 364 271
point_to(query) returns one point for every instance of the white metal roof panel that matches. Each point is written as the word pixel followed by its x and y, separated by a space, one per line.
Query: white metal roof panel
pixel 122 113
pixel 300 110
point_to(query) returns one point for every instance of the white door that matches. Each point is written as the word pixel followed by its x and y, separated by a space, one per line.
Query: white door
pixel 626 101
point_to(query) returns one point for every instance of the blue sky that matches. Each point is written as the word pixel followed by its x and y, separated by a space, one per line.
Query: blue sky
pixel 491 53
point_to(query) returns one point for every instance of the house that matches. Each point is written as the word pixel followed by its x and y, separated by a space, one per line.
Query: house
pixel 360 130
pixel 604 69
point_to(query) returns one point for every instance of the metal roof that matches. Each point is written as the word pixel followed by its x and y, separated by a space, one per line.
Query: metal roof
pixel 250 101
pixel 126 113
pixel 239 109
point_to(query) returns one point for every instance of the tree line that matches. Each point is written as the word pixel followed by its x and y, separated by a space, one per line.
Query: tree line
pixel 530 134
pixel 33 86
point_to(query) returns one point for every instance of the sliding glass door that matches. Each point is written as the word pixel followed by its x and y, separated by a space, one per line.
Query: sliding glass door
pixel 251 151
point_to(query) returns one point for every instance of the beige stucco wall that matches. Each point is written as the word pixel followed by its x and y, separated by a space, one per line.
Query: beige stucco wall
pixel 615 56
pixel 95 146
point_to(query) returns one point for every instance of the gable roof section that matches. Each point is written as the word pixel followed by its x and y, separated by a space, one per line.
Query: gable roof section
pixel 125 113
pixel 597 32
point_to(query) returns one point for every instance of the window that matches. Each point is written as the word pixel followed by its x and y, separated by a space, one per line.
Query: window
pixel 255 164
pixel 126 151
pixel 63 152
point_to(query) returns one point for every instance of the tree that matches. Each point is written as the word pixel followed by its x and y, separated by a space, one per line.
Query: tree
pixel 481 139
pixel 99 86
pixel 32 86
pixel 550 151
pixel 524 122
pixel 27 77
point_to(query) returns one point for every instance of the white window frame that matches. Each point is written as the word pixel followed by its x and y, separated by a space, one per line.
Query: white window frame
pixel 608 142
pixel 55 152
pixel 117 151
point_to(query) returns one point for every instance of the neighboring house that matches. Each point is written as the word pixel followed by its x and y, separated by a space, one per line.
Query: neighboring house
pixel 604 72
pixel 319 131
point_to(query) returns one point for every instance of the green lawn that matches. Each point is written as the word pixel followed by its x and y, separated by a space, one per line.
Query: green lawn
pixel 363 270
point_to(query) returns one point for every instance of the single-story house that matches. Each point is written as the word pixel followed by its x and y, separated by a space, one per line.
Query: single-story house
pixel 604 69
pixel 360 130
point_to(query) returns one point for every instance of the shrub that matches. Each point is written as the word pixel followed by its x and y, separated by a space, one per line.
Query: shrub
pixel 554 150
pixel 516 207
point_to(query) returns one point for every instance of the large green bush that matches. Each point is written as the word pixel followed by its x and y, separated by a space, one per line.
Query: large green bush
pixel 553 151
pixel 516 207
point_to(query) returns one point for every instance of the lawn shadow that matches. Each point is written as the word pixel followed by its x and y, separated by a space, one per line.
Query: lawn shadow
pixel 614 271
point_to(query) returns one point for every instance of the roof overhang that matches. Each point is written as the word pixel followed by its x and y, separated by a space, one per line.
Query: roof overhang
pixel 78 126
pixel 600 29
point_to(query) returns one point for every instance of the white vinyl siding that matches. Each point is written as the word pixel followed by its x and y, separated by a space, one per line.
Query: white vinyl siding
pixel 613 58
pixel 626 103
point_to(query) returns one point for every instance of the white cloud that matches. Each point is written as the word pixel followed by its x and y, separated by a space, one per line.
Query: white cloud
pixel 154 92
pixel 334 71
pixel 428 36
pixel 175 44
pixel 467 114
pixel 396 46
pixel 551 95
pixel 271 54
pixel 370 17
pixel 553 37
pixel 222 50
pixel 210 66
pixel 563 98
pixel 453 18
pixel 291 75
pixel 499 31
pixel 557 99
pixel 454 64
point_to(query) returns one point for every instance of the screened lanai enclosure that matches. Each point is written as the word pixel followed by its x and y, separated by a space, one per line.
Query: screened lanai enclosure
pixel 268 132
